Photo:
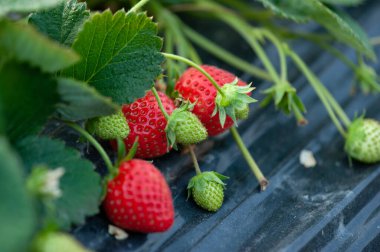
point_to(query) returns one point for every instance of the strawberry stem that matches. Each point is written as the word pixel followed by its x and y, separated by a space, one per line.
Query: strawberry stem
pixel 96 145
pixel 251 162
pixel 132 151
pixel 196 66
pixel 137 6
pixel 195 161
pixel 280 49
pixel 160 103
pixel 323 94
pixel 223 54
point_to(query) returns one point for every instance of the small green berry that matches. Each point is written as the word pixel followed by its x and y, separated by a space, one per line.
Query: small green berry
pixel 242 113
pixel 190 130
pixel 207 190
pixel 363 140
pixel 109 127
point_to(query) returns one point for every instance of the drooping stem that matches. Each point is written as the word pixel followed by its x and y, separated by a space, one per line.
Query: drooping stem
pixel 246 31
pixel 321 92
pixel 94 143
pixel 195 161
pixel 251 162
pixel 137 6
pixel 160 103
pixel 280 50
pixel 196 66
pixel 224 55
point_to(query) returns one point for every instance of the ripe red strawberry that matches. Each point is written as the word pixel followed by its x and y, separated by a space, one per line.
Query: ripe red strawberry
pixel 139 199
pixel 146 121
pixel 195 87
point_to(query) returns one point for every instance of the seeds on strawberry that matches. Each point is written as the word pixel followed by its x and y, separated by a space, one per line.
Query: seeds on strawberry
pixel 363 140
pixel 193 86
pixel 139 199
pixel 207 190
pixel 109 127
pixel 146 121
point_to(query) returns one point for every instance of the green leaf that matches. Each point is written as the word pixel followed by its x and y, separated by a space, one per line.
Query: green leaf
pixel 25 5
pixel 338 25
pixel 80 101
pixel 17 215
pixel 2 121
pixel 63 22
pixel 343 2
pixel 24 43
pixel 81 185
pixel 28 98
pixel 120 54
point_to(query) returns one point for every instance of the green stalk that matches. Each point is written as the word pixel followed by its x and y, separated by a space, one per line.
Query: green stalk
pixel 246 31
pixel 320 90
pixel 96 144
pixel 172 23
pixel 166 115
pixel 137 6
pixel 280 50
pixel 251 162
pixel 169 64
pixel 196 66
pixel 223 54
pixel 195 161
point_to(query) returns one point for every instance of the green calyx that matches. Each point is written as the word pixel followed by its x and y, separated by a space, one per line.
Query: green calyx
pixel 367 78
pixel 184 127
pixel 233 98
pixel 109 127
pixel 207 190
pixel 286 99
pixel 363 140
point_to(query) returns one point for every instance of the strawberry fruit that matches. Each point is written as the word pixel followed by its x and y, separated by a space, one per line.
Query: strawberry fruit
pixel 195 87
pixel 139 199
pixel 363 140
pixel 146 121
pixel 109 127
pixel 184 127
pixel 207 189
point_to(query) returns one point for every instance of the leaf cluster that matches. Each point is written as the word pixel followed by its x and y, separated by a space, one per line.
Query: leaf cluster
pixel 65 64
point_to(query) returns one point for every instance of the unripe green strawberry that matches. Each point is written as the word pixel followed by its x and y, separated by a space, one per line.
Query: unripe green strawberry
pixel 109 127
pixel 363 140
pixel 207 190
pixel 58 242
pixel 190 130
pixel 242 113
pixel 184 127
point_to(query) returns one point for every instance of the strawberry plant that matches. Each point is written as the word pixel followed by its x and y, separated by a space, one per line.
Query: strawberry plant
pixel 70 75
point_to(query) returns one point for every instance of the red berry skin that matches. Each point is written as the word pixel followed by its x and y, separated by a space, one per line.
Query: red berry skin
pixel 146 121
pixel 139 199
pixel 194 86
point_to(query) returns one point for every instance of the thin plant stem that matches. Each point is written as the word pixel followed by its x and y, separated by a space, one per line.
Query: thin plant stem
pixel 166 115
pixel 94 143
pixel 246 31
pixel 224 55
pixel 251 162
pixel 276 42
pixel 196 66
pixel 317 85
pixel 137 6
pixel 195 161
